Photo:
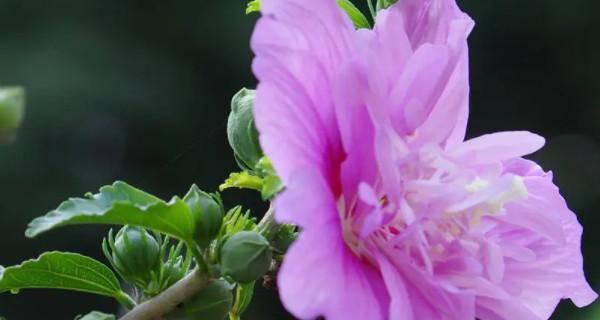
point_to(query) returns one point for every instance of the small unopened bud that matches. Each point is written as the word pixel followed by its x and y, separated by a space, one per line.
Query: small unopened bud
pixel 241 132
pixel 245 256
pixel 12 109
pixel 135 254
pixel 174 271
pixel 208 214
pixel 212 303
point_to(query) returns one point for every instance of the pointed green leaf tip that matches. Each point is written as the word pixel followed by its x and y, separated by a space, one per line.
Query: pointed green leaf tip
pixel 96 315
pixel 120 203
pixel 358 18
pixel 253 6
pixel 12 109
pixel 62 270
pixel 384 4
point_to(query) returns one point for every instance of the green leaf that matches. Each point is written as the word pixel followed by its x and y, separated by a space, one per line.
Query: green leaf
pixel 264 179
pixel 384 4
pixel 253 6
pixel 62 270
pixel 243 296
pixel 272 185
pixel 96 315
pixel 120 204
pixel 358 18
pixel 242 180
pixel 237 220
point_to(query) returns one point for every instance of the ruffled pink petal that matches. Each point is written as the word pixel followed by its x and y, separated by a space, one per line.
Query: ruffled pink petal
pixel 298 45
pixel 307 200
pixel 400 300
pixel 428 21
pixel 496 147
pixel 321 277
pixel 356 128
pixel 503 309
pixel 447 121
pixel 413 95
pixel 557 272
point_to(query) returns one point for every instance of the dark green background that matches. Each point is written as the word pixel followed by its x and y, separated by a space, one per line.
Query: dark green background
pixel 139 91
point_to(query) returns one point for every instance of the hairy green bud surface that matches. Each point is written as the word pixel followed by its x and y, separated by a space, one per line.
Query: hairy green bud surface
pixel 135 254
pixel 245 256
pixel 212 303
pixel 241 132
pixel 208 213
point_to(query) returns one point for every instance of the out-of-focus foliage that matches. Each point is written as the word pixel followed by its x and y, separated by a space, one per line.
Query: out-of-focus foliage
pixel 12 109
pixel 140 91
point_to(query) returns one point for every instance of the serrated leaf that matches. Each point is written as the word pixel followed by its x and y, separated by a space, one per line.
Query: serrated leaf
pixel 237 220
pixel 96 315
pixel 242 180
pixel 120 203
pixel 62 270
pixel 358 18
pixel 272 184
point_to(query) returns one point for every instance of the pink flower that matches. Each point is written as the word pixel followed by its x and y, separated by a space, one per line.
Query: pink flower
pixel 401 218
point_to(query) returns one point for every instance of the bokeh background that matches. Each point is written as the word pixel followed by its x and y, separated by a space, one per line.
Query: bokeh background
pixel 139 91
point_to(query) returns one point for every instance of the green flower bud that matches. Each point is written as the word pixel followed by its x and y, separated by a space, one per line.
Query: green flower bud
pixel 135 254
pixel 212 303
pixel 245 256
pixel 208 213
pixel 174 271
pixel 241 132
pixel 12 109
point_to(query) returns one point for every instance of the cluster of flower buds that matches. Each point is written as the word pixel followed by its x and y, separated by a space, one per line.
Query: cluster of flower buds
pixel 151 263
pixel 231 248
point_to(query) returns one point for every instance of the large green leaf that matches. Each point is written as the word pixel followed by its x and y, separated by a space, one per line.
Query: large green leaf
pixel 120 203
pixel 62 270
pixel 96 315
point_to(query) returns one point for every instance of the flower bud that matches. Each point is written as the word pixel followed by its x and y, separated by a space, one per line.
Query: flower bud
pixel 135 254
pixel 241 132
pixel 208 214
pixel 12 108
pixel 174 271
pixel 212 303
pixel 245 256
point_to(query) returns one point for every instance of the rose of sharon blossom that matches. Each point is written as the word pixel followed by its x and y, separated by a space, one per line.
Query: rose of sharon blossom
pixel 401 218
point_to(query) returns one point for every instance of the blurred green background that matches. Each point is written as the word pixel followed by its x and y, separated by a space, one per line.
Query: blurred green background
pixel 139 91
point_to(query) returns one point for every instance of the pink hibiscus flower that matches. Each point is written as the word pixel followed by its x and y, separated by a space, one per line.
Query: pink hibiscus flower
pixel 401 218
